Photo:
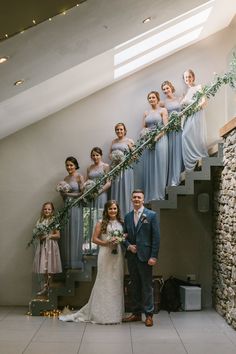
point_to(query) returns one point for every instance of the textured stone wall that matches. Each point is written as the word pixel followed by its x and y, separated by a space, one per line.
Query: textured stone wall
pixel 224 258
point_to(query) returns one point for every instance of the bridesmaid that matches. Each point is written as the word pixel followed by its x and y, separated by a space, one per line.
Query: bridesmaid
pixel 72 239
pixel 95 171
pixel 194 143
pixel 175 159
pixel 155 160
pixel 95 208
pixel 123 185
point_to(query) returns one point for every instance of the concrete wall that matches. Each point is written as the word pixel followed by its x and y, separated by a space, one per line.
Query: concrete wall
pixel 32 160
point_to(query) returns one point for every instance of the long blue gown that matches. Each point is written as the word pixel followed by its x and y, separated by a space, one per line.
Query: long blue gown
pixel 175 158
pixel 123 185
pixel 94 211
pixel 155 161
pixel 194 142
pixel 72 233
pixel 95 174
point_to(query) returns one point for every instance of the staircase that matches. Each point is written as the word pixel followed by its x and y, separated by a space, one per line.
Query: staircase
pixel 203 172
pixel 65 284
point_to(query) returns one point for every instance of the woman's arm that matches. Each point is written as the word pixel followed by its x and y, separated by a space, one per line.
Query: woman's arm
pixel 164 115
pixel 55 235
pixel 97 234
pixel 107 185
pixel 80 183
pixel 203 101
pixel 130 143
pixel 111 148
pixel 144 117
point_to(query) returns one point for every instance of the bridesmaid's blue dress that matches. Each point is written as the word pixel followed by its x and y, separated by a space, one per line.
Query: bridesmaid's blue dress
pixel 155 162
pixel 175 159
pixel 194 137
pixel 72 234
pixel 123 185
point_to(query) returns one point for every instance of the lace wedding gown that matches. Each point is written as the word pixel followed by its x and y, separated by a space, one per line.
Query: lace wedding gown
pixel 106 302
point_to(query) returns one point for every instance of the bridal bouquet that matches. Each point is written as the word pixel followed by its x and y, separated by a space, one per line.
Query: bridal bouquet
pixel 117 156
pixel 64 187
pixel 115 237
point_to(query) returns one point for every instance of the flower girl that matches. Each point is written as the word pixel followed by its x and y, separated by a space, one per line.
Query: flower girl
pixel 47 260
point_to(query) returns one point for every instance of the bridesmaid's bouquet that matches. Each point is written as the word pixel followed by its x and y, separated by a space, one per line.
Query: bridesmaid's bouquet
pixel 88 185
pixel 115 237
pixel 117 156
pixel 64 187
pixel 144 133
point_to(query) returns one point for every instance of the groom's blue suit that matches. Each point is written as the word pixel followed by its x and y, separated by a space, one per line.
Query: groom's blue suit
pixel 146 236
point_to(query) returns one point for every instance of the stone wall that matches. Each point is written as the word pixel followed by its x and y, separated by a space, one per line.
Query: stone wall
pixel 224 245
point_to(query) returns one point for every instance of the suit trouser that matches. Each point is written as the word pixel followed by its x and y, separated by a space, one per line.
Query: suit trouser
pixel 141 285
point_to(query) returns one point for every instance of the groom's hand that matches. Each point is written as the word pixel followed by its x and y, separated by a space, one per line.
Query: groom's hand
pixel 132 248
pixel 152 261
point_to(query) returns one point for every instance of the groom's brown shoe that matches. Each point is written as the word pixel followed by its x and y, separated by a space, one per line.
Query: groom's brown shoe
pixel 135 317
pixel 149 321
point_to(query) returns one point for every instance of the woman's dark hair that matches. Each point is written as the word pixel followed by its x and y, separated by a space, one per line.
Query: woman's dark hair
pixel 73 160
pixel 154 93
pixel 168 83
pixel 105 216
pixel 123 125
pixel 97 149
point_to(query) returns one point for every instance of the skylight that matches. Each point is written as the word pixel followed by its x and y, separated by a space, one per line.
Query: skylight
pixel 162 43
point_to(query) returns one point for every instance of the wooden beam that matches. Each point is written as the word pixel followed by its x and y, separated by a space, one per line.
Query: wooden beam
pixel 228 127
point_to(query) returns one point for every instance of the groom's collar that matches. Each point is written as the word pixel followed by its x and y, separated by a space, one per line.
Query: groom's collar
pixel 140 210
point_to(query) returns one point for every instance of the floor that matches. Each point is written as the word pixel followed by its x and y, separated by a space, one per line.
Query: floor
pixel 199 332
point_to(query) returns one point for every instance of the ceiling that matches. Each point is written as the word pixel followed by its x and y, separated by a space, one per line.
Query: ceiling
pixel 68 58
pixel 17 16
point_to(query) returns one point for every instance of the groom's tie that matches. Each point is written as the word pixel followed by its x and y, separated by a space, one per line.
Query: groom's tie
pixel 136 217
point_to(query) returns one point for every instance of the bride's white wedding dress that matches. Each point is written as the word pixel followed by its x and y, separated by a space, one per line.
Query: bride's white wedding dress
pixel 106 302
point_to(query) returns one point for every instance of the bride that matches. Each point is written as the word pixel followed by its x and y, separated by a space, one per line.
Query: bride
pixel 106 302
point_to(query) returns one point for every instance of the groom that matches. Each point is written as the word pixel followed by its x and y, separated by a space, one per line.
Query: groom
pixel 142 244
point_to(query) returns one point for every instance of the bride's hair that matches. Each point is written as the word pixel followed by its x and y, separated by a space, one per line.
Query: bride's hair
pixel 105 216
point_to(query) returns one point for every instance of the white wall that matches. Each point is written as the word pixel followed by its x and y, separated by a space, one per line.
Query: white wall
pixel 32 160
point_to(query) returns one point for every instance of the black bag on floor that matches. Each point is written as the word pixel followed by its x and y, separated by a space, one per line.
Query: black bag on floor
pixel 170 294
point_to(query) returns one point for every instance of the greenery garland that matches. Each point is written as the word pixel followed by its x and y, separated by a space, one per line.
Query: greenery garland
pixel 147 141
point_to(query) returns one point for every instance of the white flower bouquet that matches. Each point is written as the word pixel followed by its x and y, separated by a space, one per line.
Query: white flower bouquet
pixel 88 185
pixel 144 132
pixel 117 156
pixel 115 237
pixel 64 187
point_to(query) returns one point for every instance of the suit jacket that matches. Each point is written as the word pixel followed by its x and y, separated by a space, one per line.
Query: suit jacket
pixel 145 235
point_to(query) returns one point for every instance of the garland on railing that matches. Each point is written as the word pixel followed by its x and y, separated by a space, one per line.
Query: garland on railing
pixel 148 140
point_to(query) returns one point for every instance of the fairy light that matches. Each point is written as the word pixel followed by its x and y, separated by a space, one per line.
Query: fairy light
pixel 146 20
pixel 34 22
pixel 3 59
pixel 19 82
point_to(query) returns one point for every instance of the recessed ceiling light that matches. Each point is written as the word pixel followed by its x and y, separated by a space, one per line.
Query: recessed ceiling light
pixel 19 82
pixel 148 19
pixel 3 59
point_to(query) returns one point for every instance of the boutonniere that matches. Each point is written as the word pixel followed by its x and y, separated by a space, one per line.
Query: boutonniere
pixel 144 219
